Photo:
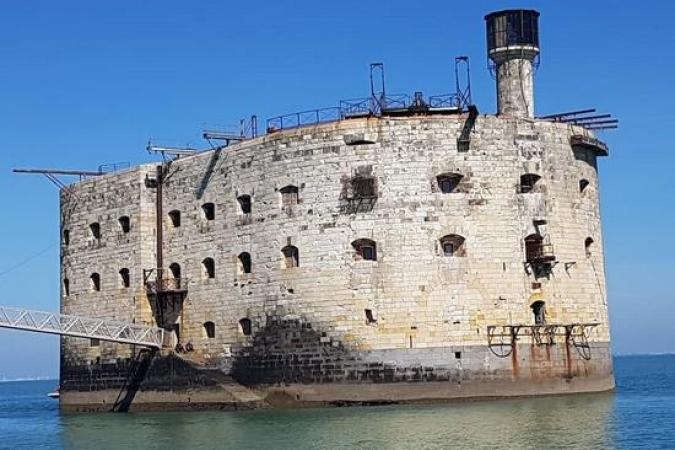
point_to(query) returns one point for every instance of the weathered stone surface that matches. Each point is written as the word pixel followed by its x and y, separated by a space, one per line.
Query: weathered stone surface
pixel 308 322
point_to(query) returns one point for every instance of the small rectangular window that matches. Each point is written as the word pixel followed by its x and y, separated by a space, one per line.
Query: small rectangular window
pixel 368 252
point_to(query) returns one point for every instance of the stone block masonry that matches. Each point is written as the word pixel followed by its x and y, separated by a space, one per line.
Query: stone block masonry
pixel 327 267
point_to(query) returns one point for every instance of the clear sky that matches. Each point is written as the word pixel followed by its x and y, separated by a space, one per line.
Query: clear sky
pixel 84 83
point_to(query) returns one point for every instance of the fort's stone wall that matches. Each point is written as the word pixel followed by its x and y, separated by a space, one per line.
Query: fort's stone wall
pixel 428 312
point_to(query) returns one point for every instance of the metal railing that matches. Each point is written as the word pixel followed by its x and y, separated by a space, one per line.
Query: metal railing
pixel 79 326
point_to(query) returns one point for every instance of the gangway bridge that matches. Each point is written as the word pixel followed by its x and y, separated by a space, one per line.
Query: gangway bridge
pixel 79 326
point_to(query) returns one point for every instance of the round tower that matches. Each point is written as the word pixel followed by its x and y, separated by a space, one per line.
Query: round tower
pixel 513 49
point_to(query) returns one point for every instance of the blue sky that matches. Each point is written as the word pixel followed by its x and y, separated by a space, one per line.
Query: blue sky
pixel 86 83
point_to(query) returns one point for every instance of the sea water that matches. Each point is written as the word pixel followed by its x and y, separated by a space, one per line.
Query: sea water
pixel 639 415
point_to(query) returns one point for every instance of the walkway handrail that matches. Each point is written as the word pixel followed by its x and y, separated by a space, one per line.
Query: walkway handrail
pixel 79 326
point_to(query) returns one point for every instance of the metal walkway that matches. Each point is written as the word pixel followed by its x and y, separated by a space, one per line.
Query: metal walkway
pixel 77 326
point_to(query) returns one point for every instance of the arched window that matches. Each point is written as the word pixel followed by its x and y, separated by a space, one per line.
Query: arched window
pixel 125 224
pixel 529 182
pixel 209 211
pixel 370 318
pixel 366 249
pixel 124 278
pixel 95 229
pixel 209 267
pixel 95 282
pixel 289 195
pixel 66 237
pixel 583 184
pixel 245 262
pixel 174 268
pixel 66 286
pixel 452 245
pixel 539 311
pixel 291 256
pixel 448 182
pixel 245 325
pixel 588 246
pixel 174 218
pixel 245 203
pixel 210 329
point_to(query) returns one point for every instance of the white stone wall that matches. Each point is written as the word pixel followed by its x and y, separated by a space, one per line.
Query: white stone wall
pixel 418 297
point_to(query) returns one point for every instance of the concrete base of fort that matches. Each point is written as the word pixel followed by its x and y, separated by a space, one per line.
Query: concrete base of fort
pixel 374 377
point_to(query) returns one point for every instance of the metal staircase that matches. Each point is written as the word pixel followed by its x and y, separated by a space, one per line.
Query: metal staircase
pixel 78 326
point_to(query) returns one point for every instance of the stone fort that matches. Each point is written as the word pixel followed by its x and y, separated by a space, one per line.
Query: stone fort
pixel 407 252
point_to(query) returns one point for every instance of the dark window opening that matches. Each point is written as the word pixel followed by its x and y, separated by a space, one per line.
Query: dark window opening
pixel 210 329
pixel 289 196
pixel 94 342
pixel 245 203
pixel 452 245
pixel 124 277
pixel 583 184
pixel 539 311
pixel 66 237
pixel 588 246
pixel 448 182
pixel 538 251
pixel 95 229
pixel 95 282
pixel 209 268
pixel 365 249
pixel 528 182
pixel 209 211
pixel 125 224
pixel 364 187
pixel 291 256
pixel 245 262
pixel 245 325
pixel 66 286
pixel 174 268
pixel 370 319
pixel 174 217
pixel 458 355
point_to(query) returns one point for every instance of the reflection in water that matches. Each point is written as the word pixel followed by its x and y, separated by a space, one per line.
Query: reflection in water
pixel 579 421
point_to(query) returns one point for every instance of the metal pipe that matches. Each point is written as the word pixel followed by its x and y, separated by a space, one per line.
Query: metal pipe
pixel 59 172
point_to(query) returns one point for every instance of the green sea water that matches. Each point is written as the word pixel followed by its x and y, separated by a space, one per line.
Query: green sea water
pixel 640 415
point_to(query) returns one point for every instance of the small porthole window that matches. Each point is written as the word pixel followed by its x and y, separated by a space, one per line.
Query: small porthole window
pixel 245 325
pixel 452 245
pixel 209 211
pixel 289 196
pixel 95 279
pixel 244 262
pixel 448 182
pixel 588 246
pixel 366 249
pixel 66 287
pixel 125 224
pixel 529 183
pixel 539 312
pixel 210 329
pixel 174 218
pixel 125 280
pixel 244 203
pixel 370 317
pixel 95 229
pixel 291 257
pixel 209 268
pixel 66 237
